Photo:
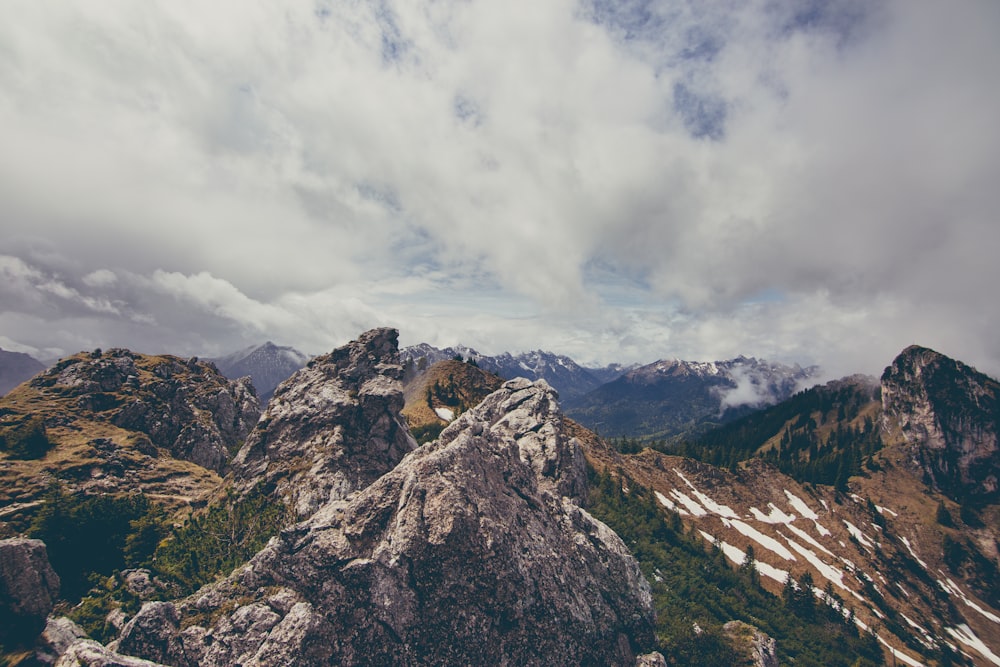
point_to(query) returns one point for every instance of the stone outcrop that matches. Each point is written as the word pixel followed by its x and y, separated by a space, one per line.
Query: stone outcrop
pixel 757 648
pixel 28 590
pixel 948 413
pixel 472 550
pixel 331 429
pixel 184 407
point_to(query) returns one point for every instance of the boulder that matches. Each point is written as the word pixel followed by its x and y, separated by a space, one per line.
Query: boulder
pixel 29 588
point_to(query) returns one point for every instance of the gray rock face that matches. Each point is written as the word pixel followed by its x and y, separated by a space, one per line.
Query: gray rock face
pixel 471 551
pixel 332 428
pixel 60 633
pixel 186 407
pixel 950 413
pixel 28 590
pixel 88 653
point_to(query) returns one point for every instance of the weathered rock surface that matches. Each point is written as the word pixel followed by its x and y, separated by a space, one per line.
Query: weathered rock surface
pixel 758 649
pixel 185 407
pixel 332 428
pixel 949 413
pixel 88 653
pixel 60 633
pixel 471 551
pixel 28 590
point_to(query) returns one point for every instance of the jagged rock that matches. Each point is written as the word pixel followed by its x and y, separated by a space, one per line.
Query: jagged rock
pixel 332 428
pixel 185 407
pixel 471 551
pixel 88 653
pixel 28 590
pixel 949 413
pixel 60 633
pixel 654 659
pixel 759 649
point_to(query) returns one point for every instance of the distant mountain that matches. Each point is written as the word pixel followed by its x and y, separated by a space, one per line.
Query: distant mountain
pixel 671 397
pixel 15 368
pixel 864 500
pixel 268 365
pixel 566 376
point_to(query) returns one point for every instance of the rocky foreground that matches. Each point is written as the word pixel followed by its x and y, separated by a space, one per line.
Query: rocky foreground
pixel 472 549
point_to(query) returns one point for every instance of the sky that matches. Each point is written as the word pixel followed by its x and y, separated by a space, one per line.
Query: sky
pixel 805 181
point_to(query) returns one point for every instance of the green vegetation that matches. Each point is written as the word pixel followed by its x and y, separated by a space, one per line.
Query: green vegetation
pixel 92 538
pixel 213 544
pixel 27 440
pixel 819 436
pixel 694 584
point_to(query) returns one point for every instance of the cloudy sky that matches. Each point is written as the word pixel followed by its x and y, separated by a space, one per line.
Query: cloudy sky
pixel 617 180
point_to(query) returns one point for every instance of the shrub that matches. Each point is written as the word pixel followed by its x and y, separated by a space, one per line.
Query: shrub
pixel 27 440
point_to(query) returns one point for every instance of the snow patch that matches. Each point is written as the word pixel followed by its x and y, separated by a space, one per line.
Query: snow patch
pixel 736 556
pixel 964 634
pixel 800 506
pixel 952 589
pixel 857 534
pixel 913 553
pixel 885 510
pixel 692 506
pixel 671 505
pixel 774 516
pixel 446 414
pixel 828 571
pixel 710 505
pixel 821 529
pixel 902 657
pixel 769 543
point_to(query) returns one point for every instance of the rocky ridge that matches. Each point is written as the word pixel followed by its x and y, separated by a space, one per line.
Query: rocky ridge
pixel 472 549
pixel 569 378
pixel 949 416
pixel 331 429
pixel 116 421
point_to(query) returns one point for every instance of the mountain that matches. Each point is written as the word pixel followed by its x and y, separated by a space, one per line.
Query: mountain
pixel 471 549
pixel 114 421
pixel 672 397
pixel 851 524
pixel 948 416
pixel 562 373
pixel 901 533
pixel 268 365
pixel 434 398
pixel 332 428
pixel 15 368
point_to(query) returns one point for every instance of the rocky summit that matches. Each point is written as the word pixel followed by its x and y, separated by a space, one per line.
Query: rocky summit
pixel 472 550
pixel 115 421
pixel 948 414
pixel 332 428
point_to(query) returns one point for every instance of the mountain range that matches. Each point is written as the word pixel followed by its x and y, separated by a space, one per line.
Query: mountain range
pixel 852 523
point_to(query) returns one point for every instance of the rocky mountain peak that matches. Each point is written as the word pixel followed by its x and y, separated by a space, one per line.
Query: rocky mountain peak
pixel 948 412
pixel 471 550
pixel 332 428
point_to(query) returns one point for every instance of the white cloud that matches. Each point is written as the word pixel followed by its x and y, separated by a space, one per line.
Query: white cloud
pixel 810 182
